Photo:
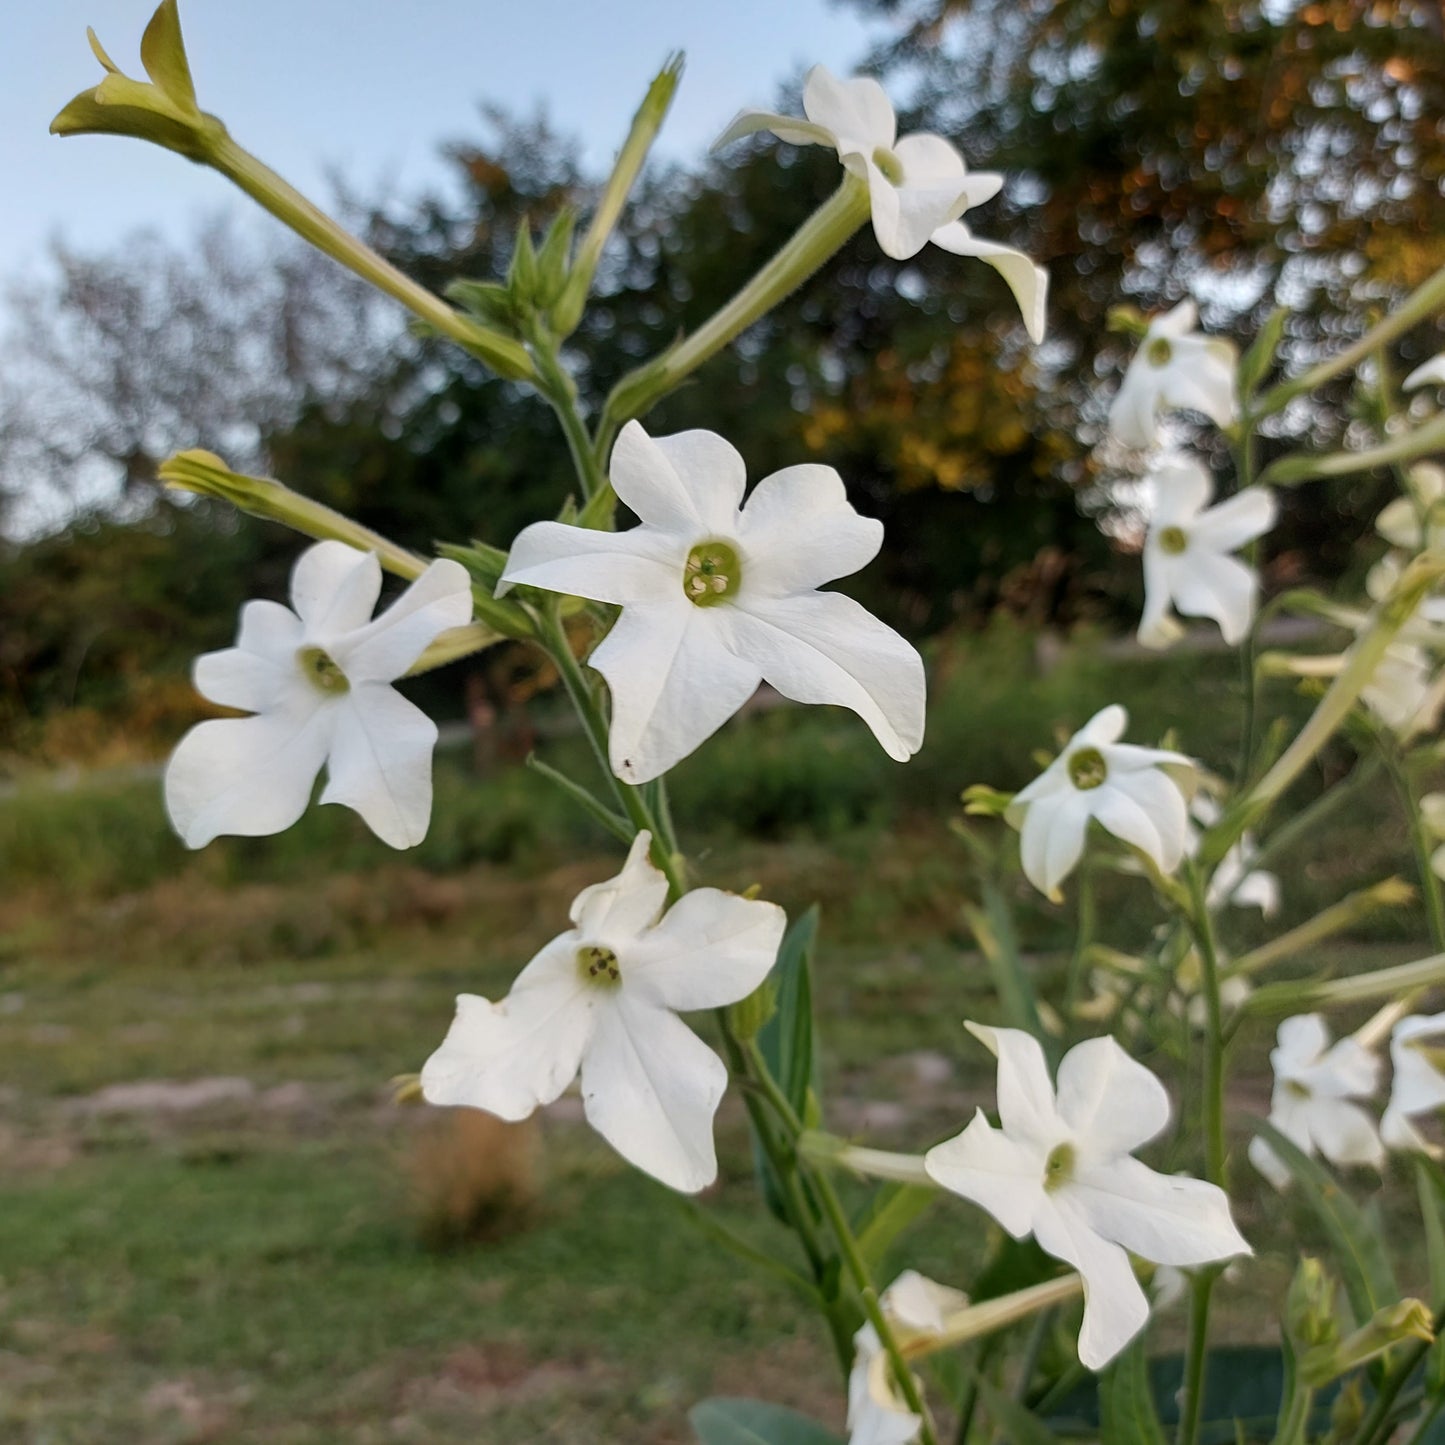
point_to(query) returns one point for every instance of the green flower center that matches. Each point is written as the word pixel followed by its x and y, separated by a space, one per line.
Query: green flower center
pixel 1087 768
pixel 1158 352
pixel 889 164
pixel 598 966
pixel 1059 1167
pixel 713 574
pixel 321 672
pixel 1173 540
pixel 1296 1090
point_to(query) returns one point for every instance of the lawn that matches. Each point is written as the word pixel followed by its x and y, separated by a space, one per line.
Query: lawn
pixel 216 1224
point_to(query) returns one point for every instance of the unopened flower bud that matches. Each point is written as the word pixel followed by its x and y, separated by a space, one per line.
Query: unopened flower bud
pixel 1309 1307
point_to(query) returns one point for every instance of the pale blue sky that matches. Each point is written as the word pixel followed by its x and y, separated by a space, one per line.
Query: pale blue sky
pixel 369 88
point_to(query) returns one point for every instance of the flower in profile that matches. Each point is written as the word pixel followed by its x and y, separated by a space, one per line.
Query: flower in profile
pixel 1402 690
pixel 1061 1168
pixel 1315 1084
pixel 717 597
pixel 1416 521
pixel 317 680
pixel 1124 788
pixel 603 998
pixel 1428 373
pixel 1187 566
pixel 1175 367
pixel 918 186
pixel 878 1413
pixel 1235 881
pixel 1419 1083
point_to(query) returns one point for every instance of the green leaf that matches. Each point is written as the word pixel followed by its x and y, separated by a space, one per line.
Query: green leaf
pixel 1256 362
pixel 1126 1402
pixel 163 53
pixel 488 301
pixel 786 1040
pixel 1359 1250
pixel 725 1421
pixel 993 931
pixel 552 258
pixel 1430 1179
pixel 1015 1422
pixel 890 1212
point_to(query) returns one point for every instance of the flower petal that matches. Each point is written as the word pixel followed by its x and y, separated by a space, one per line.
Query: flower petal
pixel 510 1057
pixel 1026 1107
pixel 1428 373
pixel 787 128
pixel 857 111
pixel 386 647
pixel 1157 626
pixel 885 205
pixel 823 647
pixel 1147 809
pixel 1175 323
pixel 1051 838
pixel 1182 488
pixel 1269 1163
pixel 1207 584
pixel 1133 412
pixel 689 484
pixel 1028 281
pixel 260 669
pixel 641 565
pixel 1115 1306
pixel 1160 1217
pixel 710 949
pixel 1111 1103
pixel 1344 1133
pixel 650 1087
pixel 1237 520
pixel 380 762
pixel 249 776
pixel 798 530
pixel 997 1173
pixel 1300 1041
pixel 675 680
pixel 1105 727
pixel 617 910
pixel 1200 377
pixel 334 589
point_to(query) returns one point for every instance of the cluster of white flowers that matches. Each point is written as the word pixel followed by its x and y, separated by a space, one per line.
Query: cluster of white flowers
pixel 1319 1086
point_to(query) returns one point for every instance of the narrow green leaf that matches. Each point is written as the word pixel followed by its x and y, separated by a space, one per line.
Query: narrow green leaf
pixel 730 1421
pixel 1254 365
pixel 1360 1254
pixel 993 931
pixel 786 1040
pixel 163 53
pixel 891 1212
pixel 1430 1179
pixel 1015 1422
pixel 1126 1402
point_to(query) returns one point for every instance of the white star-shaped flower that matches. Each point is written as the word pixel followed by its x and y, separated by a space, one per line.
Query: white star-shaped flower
pixel 1061 1168
pixel 918 186
pixel 603 998
pixel 1419 1083
pixel 318 681
pixel 1314 1083
pixel 1124 787
pixel 1187 566
pixel 717 597
pixel 878 1414
pixel 1175 367
pixel 1428 373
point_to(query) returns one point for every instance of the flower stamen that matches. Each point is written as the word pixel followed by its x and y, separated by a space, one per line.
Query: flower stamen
pixel 1173 540
pixel 712 575
pixel 1087 769
pixel 321 671
pixel 598 966
pixel 1159 352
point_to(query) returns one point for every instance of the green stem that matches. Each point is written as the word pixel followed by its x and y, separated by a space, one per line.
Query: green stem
pixel 1378 1424
pixel 1191 1408
pixel 1201 925
pixel 1292 1428
pixel 1082 938
pixel 1305 825
pixel 1419 841
pixel 287 204
pixel 1422 1430
pixel 1422 303
pixel 561 395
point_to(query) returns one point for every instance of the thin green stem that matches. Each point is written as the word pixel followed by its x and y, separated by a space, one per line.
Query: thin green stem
pixel 1201 925
pixel 1191 1409
pixel 1292 1428
pixel 1306 824
pixel 1420 841
pixel 1083 937
pixel 1422 1430
pixel 1244 465
pixel 1379 1424
pixel 561 395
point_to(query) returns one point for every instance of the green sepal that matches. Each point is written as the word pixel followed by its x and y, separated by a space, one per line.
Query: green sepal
pixel 485 563
pixel 489 301
pixel 554 257
pixel 163 53
pixel 522 273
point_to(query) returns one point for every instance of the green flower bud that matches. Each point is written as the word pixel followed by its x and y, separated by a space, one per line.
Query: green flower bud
pixel 1407 1319
pixel 748 1016
pixel 1309 1307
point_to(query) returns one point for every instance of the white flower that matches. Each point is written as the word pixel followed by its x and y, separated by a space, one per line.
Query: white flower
pixel 1432 810
pixel 878 1414
pixel 1060 1168
pixel 1399 522
pixel 1123 787
pixel 1235 881
pixel 1174 367
pixel 317 680
pixel 1419 1082
pixel 1401 690
pixel 1314 1082
pixel 601 998
pixel 1187 564
pixel 1428 373
pixel 918 186
pixel 717 597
